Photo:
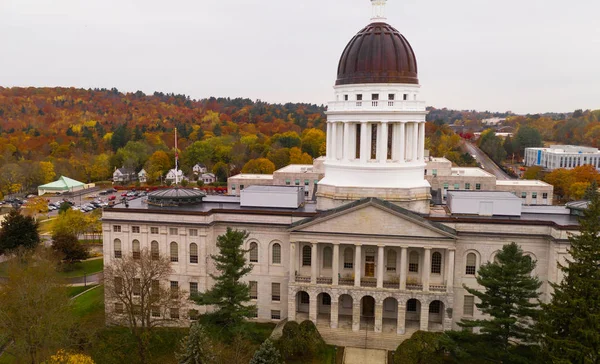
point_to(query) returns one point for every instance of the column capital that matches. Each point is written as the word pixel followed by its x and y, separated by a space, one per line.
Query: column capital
pixel 404 246
pixel 336 243
pixel 357 244
pixel 381 245
pixel 452 249
pixel 427 247
pixel 384 121
pixel 314 242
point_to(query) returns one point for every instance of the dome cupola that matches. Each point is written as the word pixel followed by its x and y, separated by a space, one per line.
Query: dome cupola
pixel 377 54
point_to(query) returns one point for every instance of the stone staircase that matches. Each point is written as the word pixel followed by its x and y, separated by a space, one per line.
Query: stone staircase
pixel 362 339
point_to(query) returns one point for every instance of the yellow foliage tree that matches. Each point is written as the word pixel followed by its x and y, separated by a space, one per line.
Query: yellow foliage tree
pixel 48 172
pixel 297 157
pixel 65 357
pixel 259 166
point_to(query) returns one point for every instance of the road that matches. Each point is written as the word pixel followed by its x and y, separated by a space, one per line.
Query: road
pixel 486 162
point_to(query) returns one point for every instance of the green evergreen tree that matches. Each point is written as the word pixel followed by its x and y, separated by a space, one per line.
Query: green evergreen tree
pixel 229 294
pixel 510 297
pixel 69 247
pixel 570 324
pixel 267 354
pixel 18 231
pixel 196 348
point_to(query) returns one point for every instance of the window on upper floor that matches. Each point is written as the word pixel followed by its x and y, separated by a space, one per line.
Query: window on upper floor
pixel 117 228
pixel 253 252
pixel 135 229
pixel 117 248
pixel 413 262
pixel 470 267
pixel 253 290
pixel 306 256
pixel 327 257
pixel 193 253
pixel 391 260
pixel 276 255
pixel 348 258
pixel 174 250
pixel 275 292
pixel 135 247
pixel 436 263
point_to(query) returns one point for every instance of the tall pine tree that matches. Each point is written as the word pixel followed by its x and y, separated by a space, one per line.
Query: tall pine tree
pixel 17 231
pixel 267 354
pixel 571 322
pixel 510 298
pixel 229 294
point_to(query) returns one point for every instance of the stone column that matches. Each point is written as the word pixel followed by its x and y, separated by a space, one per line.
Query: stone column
pixel 450 271
pixel 357 263
pixel 313 263
pixel 312 308
pixel 401 324
pixel 292 306
pixel 424 317
pixel 292 261
pixel 333 141
pixel 346 150
pixel 421 150
pixel 402 144
pixel 333 319
pixel 403 267
pixel 328 151
pixel 355 315
pixel 415 142
pixel 382 157
pixel 364 148
pixel 335 264
pixel 380 265
pixel 378 316
pixel 426 269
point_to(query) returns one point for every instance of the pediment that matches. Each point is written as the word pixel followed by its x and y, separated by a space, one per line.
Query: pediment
pixel 374 217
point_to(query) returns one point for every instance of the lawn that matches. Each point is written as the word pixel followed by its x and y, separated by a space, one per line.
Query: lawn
pixel 89 302
pixel 85 267
pixel 74 291
pixel 326 357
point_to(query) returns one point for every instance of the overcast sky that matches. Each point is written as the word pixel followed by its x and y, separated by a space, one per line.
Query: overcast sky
pixel 527 56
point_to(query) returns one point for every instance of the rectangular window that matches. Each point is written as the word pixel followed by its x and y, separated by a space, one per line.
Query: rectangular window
pixel 306 182
pixel 117 228
pixel 405 97
pixel 193 232
pixel 253 290
pixel 193 288
pixel 174 289
pixel 533 194
pixel 135 229
pixel 275 315
pixel 305 193
pixel 523 194
pixel 374 97
pixel 155 289
pixel 155 311
pixel 118 285
pixel 544 195
pixel 174 313
pixel 233 187
pixel 119 308
pixel 275 292
pixel 434 172
pixel 468 306
pixel 445 186
pixel 316 181
pixel 287 182
pixel 390 141
pixel 478 186
pixel 391 97
pixel 137 287
pixel 172 231
pixel 457 186
pixel 358 97
pixel 345 97
pixel 154 230
pixel 193 315
pixel 241 187
pixel 373 141
pixel 467 186
pixel 357 142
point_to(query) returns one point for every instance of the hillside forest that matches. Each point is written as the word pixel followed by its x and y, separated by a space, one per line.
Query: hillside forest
pixel 86 134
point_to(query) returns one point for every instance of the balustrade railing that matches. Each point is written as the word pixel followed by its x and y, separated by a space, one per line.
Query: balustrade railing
pixel 437 288
pixel 302 279
pixel 392 285
pixel 414 287
pixel 346 282
pixel 324 280
pixel 368 282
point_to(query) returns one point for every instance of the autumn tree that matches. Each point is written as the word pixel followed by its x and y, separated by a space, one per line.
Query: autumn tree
pixel 18 231
pixel 35 310
pixel 259 166
pixel 69 248
pixel 140 295
pixel 47 170
pixel 312 140
pixel 298 157
pixel 527 137
pixel 157 165
pixel 229 294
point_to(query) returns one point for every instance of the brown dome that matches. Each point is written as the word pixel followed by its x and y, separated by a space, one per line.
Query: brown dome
pixel 377 54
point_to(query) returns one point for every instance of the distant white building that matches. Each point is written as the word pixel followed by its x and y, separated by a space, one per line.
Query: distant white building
pixel 172 174
pixel 207 178
pixel 492 121
pixel 142 176
pixel 562 156
pixel 124 175
pixel 199 169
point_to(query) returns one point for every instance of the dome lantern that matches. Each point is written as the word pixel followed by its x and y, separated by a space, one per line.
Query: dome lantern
pixel 378 11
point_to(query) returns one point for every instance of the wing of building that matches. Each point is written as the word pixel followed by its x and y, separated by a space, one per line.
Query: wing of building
pixel 354 241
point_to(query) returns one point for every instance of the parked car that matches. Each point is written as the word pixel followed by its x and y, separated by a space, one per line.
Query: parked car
pixel 112 198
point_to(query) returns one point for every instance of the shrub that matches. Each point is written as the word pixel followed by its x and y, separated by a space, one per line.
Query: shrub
pixel 300 341
pixel 422 347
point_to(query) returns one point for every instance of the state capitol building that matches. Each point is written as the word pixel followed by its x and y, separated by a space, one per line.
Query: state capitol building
pixel 354 242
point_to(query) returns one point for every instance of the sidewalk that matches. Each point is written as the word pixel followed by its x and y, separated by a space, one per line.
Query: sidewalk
pixel 364 356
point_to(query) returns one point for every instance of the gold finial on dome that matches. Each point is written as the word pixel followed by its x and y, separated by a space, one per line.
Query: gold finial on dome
pixel 378 11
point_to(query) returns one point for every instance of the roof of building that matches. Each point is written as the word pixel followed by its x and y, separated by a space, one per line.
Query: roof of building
pixel 470 172
pixel 484 194
pixel 252 176
pixel 296 168
pixel 377 54
pixel 567 149
pixel 273 189
pixel 521 182
pixel 175 196
pixel 63 183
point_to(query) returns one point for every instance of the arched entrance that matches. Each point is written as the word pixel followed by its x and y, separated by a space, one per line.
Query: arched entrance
pixel 302 306
pixel 436 316
pixel 345 303
pixel 367 313
pixel 390 315
pixel 413 314
pixel 323 309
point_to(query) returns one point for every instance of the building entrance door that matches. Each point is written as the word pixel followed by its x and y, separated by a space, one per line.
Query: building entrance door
pixel 370 266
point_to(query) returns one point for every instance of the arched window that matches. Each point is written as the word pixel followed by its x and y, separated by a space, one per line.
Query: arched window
pixel 193 253
pixel 154 250
pixel 391 260
pixel 174 252
pixel 117 246
pixel 135 247
pixel 306 256
pixel 327 257
pixel 413 262
pixel 253 252
pixel 276 253
pixel 471 262
pixel 348 258
pixel 436 263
